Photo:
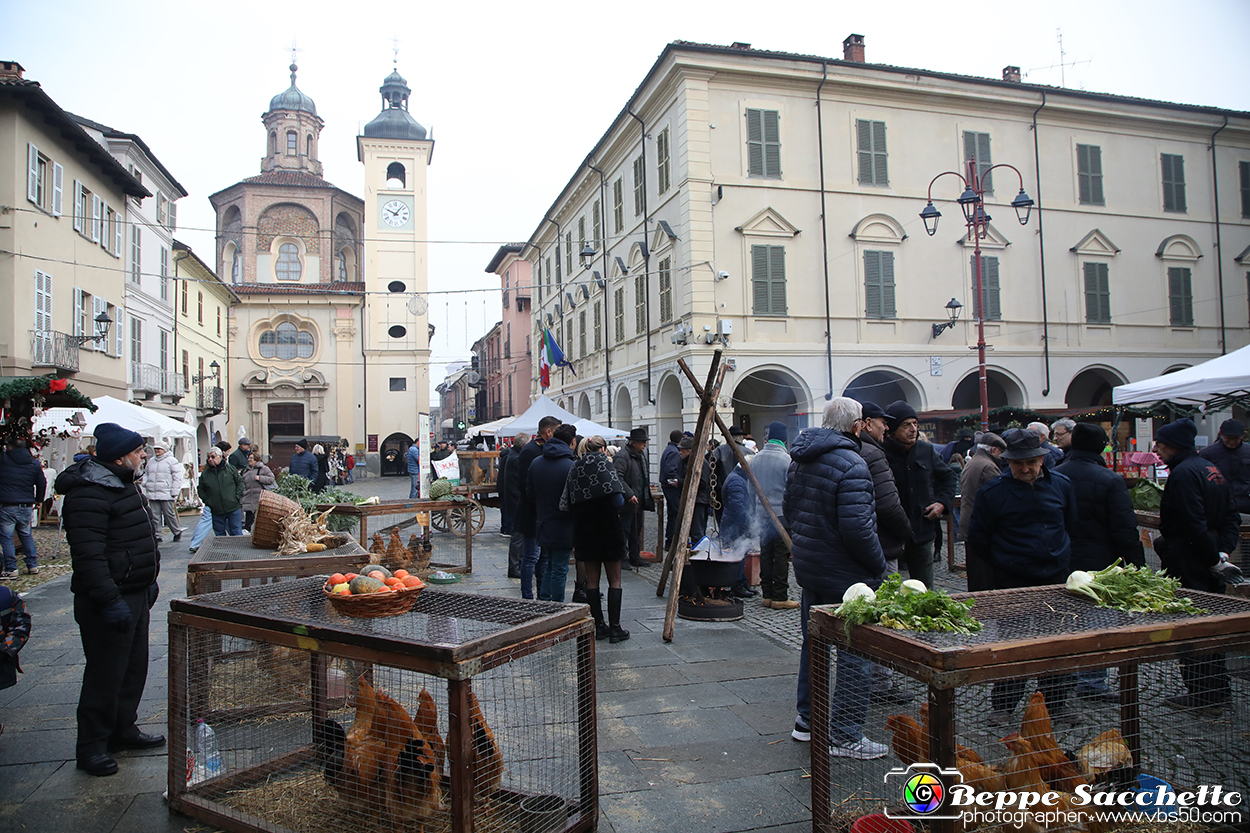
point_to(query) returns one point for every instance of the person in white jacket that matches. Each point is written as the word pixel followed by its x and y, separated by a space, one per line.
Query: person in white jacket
pixel 162 481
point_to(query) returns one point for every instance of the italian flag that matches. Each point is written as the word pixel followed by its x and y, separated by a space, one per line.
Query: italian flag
pixel 549 356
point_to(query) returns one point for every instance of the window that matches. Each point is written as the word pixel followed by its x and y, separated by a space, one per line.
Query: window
pixel 273 143
pixel 1097 294
pixel 341 264
pixel 768 279
pixel 136 255
pixel 598 327
pixel 171 216
pixel 160 208
pixel 507 343
pixel 568 338
pixel 288 267
pixel 1180 296
pixel 164 350
pixel 989 288
pixel 1089 174
pixel 186 369
pixel 44 181
pixel 559 274
pixel 618 317
pixel 1173 182
pixel 80 207
pixel 219 321
pixel 640 305
pixel 547 280
pixel 119 331
pixel 1244 170
pixel 308 146
pixel 164 274
pixel 292 143
pixel 872 154
pixel 596 222
pixel 399 383
pixel 285 342
pixel 185 292
pixel 581 235
pixel 663 169
pixel 81 305
pixel 581 333
pixel 98 306
pixel 568 252
pixel 879 284
pixel 977 148
pixel 136 340
pixel 618 207
pixel 763 143
pixel 640 186
pixel 236 267
pixel 666 290
pixel 199 311
pixel 396 175
pixel 43 318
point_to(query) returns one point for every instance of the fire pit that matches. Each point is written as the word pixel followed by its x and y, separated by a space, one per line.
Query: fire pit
pixel 704 593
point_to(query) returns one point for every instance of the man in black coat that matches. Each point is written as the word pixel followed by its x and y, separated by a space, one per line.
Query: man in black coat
pixel 553 526
pixel 724 462
pixel 22 486
pixel 1231 456
pixel 926 486
pixel 116 561
pixel 670 483
pixel 1198 527
pixel 1105 528
pixel 524 522
pixel 510 491
pixel 634 470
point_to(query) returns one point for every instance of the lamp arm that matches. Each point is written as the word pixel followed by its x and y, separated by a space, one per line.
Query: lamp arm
pixel 955 174
pixel 1004 165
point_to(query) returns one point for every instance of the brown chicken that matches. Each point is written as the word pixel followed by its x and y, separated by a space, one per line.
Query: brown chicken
pixel 1105 753
pixel 982 777
pixel 396 555
pixel 376 545
pixel 1020 772
pixel 487 762
pixel 910 745
pixel 1050 764
pixel 1055 767
pixel 1036 722
pixel 426 719
pixel 353 759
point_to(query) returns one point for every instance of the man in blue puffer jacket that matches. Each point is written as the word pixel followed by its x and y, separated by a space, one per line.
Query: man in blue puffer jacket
pixel 830 506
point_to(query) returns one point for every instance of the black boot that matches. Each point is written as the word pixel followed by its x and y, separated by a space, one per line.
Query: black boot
pixel 615 632
pixel 581 595
pixel 595 599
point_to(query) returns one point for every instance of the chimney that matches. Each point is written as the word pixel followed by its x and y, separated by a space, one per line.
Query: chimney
pixel 1011 75
pixel 740 45
pixel 10 71
pixel 853 49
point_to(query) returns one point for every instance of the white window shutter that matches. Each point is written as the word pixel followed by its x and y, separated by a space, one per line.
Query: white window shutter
pixel 104 225
pixel 119 236
pixel 58 188
pixel 78 301
pixel 95 218
pixel 32 174
pixel 78 209
pixel 173 216
pixel 119 332
pixel 98 305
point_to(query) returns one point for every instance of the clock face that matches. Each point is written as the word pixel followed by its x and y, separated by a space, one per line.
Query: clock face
pixel 395 213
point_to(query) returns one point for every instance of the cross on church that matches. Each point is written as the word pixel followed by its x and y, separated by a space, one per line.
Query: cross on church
pixel 395 47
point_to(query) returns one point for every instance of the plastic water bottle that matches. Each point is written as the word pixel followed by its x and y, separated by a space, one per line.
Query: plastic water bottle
pixel 206 762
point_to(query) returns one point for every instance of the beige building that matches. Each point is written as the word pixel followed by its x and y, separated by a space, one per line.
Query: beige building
pixel 330 336
pixel 767 204
pixel 201 345
pixel 64 222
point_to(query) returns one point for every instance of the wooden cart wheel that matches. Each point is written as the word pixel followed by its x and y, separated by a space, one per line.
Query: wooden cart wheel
pixel 469 512
pixel 438 520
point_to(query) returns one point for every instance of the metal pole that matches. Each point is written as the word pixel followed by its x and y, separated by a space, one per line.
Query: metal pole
pixel 974 225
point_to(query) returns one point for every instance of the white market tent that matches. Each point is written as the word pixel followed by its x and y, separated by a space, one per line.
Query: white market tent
pixel 527 423
pixel 1213 384
pixel 144 421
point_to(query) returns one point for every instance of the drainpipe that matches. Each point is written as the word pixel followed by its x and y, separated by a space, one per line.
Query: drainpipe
pixel 824 226
pixel 1219 250
pixel 646 252
pixel 603 224
pixel 1041 246
pixel 364 396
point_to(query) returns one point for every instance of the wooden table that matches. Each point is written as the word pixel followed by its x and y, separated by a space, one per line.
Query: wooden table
pixel 411 508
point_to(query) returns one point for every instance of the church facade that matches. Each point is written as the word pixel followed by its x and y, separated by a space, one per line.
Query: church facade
pixel 330 338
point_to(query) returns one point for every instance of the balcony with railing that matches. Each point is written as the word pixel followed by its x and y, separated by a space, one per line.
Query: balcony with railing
pixel 48 348
pixel 150 379
pixel 210 399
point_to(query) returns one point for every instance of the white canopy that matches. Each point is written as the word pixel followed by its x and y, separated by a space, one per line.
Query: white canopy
pixel 1214 383
pixel 527 423
pixel 145 421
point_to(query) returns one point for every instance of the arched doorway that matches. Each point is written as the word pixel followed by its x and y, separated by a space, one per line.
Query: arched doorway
pixel 1091 388
pixel 392 452
pixel 669 402
pixel 883 387
pixel 769 395
pixel 583 406
pixel 623 409
pixel 1000 388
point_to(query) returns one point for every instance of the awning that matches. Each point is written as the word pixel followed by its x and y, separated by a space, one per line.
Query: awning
pixel 448 423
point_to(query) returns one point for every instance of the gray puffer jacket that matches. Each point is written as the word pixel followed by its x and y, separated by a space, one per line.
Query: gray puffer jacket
pixel 162 478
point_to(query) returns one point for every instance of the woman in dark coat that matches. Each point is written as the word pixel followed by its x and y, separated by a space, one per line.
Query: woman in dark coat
pixel 594 495
pixel 323 469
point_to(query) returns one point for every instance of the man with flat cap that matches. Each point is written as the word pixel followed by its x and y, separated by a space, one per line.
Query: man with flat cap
pixel 981 468
pixel 633 468
pixel 926 486
pixel 1019 535
pixel 116 561
pixel 1231 456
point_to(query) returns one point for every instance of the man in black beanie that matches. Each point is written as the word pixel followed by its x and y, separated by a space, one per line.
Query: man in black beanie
pixel 113 549
pixel 1231 456
pixel 926 486
pixel 1198 527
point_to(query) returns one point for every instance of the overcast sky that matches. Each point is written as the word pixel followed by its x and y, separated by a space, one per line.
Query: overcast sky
pixel 517 93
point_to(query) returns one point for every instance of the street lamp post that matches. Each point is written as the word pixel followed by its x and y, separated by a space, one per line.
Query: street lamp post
pixel 972 203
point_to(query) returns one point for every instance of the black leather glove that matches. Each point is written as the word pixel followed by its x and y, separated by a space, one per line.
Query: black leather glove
pixel 153 592
pixel 117 614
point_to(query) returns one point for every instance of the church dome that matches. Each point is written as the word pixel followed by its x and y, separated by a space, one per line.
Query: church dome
pixel 293 98
pixel 394 122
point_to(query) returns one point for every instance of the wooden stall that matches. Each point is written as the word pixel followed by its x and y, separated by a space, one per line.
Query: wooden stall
pixel 223 560
pixel 422 518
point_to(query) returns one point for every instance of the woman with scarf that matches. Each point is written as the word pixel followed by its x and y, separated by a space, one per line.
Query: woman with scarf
pixel 594 496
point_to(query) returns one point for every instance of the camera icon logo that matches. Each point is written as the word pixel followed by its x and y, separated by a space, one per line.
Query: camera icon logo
pixel 923 790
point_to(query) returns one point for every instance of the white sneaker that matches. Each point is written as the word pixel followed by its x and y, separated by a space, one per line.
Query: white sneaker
pixel 801 734
pixel 862 750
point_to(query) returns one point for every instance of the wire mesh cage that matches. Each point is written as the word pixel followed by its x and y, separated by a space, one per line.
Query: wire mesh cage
pixel 1111 719
pixel 230 562
pixel 468 713
pixel 420 536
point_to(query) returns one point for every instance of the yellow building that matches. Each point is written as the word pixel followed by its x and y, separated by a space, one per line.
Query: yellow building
pixel 201 342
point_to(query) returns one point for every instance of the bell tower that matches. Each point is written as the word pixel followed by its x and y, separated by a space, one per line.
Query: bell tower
pixel 395 152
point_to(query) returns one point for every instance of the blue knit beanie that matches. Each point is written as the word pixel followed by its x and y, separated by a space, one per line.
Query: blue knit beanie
pixel 112 441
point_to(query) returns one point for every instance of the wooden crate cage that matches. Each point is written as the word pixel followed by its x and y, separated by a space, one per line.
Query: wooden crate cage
pixel 229 562
pixel 445 528
pixel 468 713
pixel 1056 640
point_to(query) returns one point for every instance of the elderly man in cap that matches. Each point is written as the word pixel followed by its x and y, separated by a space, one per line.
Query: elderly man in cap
pixel 1231 456
pixel 1019 536
pixel 238 458
pixel 670 482
pixel 1061 433
pixel 926 486
pixel 116 562
pixel 304 462
pixel 981 468
pixel 162 481
pixel 1054 454
pixel 1198 527
pixel 633 468
pixel 770 466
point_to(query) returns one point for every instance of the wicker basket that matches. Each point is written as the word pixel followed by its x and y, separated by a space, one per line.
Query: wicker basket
pixel 374 605
pixel 267 528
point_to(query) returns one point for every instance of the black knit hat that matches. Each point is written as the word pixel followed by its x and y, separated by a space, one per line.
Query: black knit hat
pixel 1179 434
pixel 1089 437
pixel 1232 428
pixel 778 431
pixel 112 441
pixel 896 413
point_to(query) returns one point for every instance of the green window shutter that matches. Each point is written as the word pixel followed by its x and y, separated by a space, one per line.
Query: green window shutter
pixel 977 147
pixel 755 143
pixel 759 280
pixel 872 284
pixel 1180 297
pixel 559 275
pixel 640 305
pixel 772 143
pixel 1173 168
pixel 887 285
pixel 1097 294
pixel 989 288
pixel 777 280
pixel 1245 188
pixel 1089 174
pixel 880 173
pixel 863 128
